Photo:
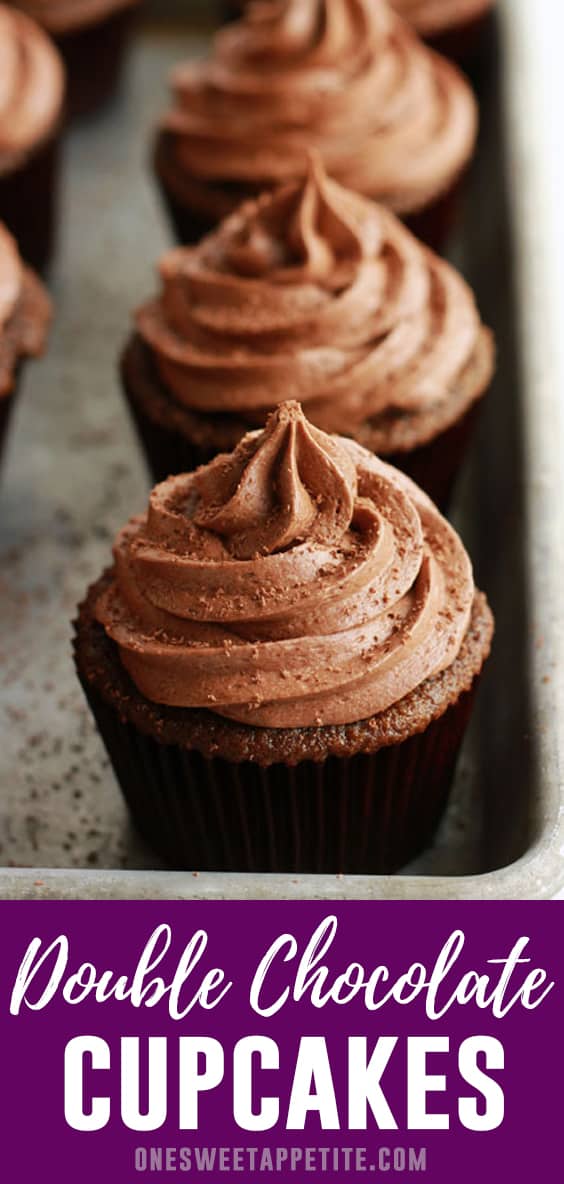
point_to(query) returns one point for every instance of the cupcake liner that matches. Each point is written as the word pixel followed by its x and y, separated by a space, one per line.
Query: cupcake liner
pixel 230 10
pixel 168 449
pixel 368 813
pixel 94 57
pixel 466 44
pixel 194 207
pixel 188 225
pixel 435 223
pixel 435 466
pixel 6 406
pixel 28 203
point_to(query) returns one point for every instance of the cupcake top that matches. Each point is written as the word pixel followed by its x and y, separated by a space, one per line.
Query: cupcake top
pixel 296 582
pixel 435 16
pixel 31 87
pixel 317 294
pixel 63 16
pixel 390 118
pixel 25 312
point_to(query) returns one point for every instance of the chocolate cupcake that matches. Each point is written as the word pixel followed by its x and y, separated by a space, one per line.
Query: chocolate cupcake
pixel 391 120
pixel 92 36
pixel 25 314
pixel 283 658
pixel 316 293
pixel 453 27
pixel 31 104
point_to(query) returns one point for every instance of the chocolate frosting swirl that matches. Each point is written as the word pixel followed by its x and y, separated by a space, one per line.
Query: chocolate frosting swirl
pixel 63 16
pixel 348 77
pixel 31 87
pixel 312 293
pixel 435 16
pixel 25 312
pixel 297 582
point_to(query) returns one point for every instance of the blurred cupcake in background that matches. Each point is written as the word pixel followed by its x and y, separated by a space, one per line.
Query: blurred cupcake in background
pixel 283 658
pixel 318 294
pixel 32 86
pixel 25 315
pixel 452 27
pixel 391 120
pixel 92 36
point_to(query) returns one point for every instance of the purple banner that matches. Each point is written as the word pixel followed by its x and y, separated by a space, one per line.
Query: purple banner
pixel 278 1041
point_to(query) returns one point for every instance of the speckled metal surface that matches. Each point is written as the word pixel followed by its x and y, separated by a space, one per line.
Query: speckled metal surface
pixel 73 473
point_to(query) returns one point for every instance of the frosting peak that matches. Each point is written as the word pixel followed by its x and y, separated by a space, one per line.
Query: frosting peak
pixel 298 582
pixel 289 482
pixel 323 30
pixel 316 228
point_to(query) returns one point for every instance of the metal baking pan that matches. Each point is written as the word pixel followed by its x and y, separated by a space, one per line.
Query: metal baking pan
pixel 74 474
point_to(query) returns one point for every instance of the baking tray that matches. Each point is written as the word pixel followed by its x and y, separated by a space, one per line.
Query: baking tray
pixel 74 474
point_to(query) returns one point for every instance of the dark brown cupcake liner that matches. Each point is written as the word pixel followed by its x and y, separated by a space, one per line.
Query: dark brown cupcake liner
pixel 168 449
pixel 94 57
pixel 6 407
pixel 466 44
pixel 208 793
pixel 436 466
pixel 188 225
pixel 435 224
pixel 196 208
pixel 230 10
pixel 369 813
pixel 29 201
